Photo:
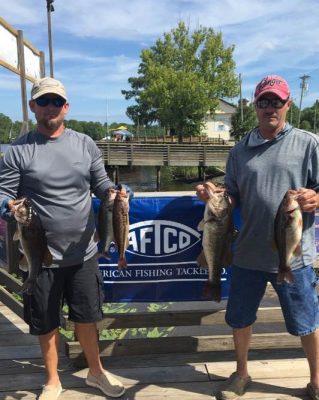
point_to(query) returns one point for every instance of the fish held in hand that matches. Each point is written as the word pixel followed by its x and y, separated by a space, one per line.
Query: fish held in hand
pixel 121 225
pixel 218 233
pixel 288 233
pixel 33 241
pixel 105 223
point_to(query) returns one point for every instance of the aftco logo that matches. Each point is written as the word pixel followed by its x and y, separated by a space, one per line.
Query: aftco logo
pixel 161 238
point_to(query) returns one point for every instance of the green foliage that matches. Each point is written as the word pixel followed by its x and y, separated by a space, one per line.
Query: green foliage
pixel 68 334
pixel 305 124
pixel 292 116
pixel 93 129
pixel 239 127
pixel 180 78
pixel 309 119
pixel 118 308
pixel 154 307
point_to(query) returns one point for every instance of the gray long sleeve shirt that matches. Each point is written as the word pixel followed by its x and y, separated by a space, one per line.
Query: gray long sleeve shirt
pixel 258 174
pixel 57 174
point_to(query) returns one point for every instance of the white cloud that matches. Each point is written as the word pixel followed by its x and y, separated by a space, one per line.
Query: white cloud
pixel 97 42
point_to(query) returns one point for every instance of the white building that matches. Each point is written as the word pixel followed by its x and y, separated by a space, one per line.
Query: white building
pixel 219 125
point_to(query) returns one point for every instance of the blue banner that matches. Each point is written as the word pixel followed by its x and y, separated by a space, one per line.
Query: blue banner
pixel 163 247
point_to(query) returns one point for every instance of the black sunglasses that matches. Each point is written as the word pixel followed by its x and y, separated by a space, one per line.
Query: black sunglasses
pixel 45 101
pixel 274 103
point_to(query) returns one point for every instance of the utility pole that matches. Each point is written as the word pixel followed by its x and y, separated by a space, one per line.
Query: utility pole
pixel 50 9
pixel 107 120
pixel 304 87
pixel 241 101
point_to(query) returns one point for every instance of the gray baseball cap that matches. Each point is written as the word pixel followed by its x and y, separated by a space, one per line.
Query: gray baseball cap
pixel 47 85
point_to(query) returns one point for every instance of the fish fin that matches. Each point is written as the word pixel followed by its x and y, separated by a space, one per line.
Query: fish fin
pixel 23 263
pixel 122 263
pixel 285 276
pixel 200 226
pixel 47 259
pixel 28 286
pixel 201 260
pixel 16 235
pixel 103 254
pixel 297 251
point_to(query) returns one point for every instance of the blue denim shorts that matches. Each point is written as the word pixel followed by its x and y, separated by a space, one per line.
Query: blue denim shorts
pixel 298 300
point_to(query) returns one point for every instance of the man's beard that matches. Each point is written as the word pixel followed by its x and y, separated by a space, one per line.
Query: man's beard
pixel 51 124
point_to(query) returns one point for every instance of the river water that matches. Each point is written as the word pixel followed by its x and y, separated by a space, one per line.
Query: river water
pixel 143 179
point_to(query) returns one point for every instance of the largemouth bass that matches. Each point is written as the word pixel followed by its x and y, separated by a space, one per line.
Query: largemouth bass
pixel 121 225
pixel 33 241
pixel 288 232
pixel 105 223
pixel 218 233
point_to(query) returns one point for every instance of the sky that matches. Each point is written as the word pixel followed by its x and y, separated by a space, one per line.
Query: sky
pixel 97 45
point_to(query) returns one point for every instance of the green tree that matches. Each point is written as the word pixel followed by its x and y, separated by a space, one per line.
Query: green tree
pixel 239 127
pixel 292 116
pixel 309 117
pixel 305 125
pixel 181 78
pixel 5 127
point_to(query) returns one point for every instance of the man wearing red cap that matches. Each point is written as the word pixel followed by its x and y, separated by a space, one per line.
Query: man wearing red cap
pixel 261 168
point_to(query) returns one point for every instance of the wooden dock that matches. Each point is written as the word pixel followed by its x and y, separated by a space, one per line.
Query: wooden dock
pixel 141 154
pixel 277 374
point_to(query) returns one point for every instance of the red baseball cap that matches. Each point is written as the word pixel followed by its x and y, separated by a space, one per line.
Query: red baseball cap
pixel 273 84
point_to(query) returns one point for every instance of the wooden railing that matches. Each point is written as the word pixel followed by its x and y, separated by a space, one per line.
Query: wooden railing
pixel 140 154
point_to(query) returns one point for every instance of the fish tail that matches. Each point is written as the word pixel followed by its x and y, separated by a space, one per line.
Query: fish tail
pixel 122 262
pixel 285 276
pixel 212 291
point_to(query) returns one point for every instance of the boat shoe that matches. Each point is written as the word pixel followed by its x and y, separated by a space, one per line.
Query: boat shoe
pixel 234 387
pixel 50 392
pixel 107 383
pixel 312 393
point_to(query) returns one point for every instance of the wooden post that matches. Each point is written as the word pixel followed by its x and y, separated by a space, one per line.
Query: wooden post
pixel 158 178
pixel 25 122
pixel 115 174
pixel 204 174
pixel 42 64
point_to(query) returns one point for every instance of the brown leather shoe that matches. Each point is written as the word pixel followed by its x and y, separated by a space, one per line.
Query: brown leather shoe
pixel 234 387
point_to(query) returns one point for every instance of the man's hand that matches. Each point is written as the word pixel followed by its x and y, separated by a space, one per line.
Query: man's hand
pixel 124 188
pixel 202 193
pixel 7 209
pixel 308 199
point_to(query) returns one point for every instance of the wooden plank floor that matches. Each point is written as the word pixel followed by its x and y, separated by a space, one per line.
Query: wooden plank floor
pixel 277 375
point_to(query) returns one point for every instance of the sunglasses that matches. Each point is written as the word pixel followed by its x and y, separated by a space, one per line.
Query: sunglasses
pixel 45 101
pixel 274 103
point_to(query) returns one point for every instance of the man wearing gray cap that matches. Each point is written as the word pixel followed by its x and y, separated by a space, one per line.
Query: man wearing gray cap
pixel 57 168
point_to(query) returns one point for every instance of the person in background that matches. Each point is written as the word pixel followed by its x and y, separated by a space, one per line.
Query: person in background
pixel 268 161
pixel 57 168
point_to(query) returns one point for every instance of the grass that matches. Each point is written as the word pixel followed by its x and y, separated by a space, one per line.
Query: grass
pixel 127 333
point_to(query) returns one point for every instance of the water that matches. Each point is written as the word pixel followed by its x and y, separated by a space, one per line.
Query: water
pixel 143 179
pixel 4 147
